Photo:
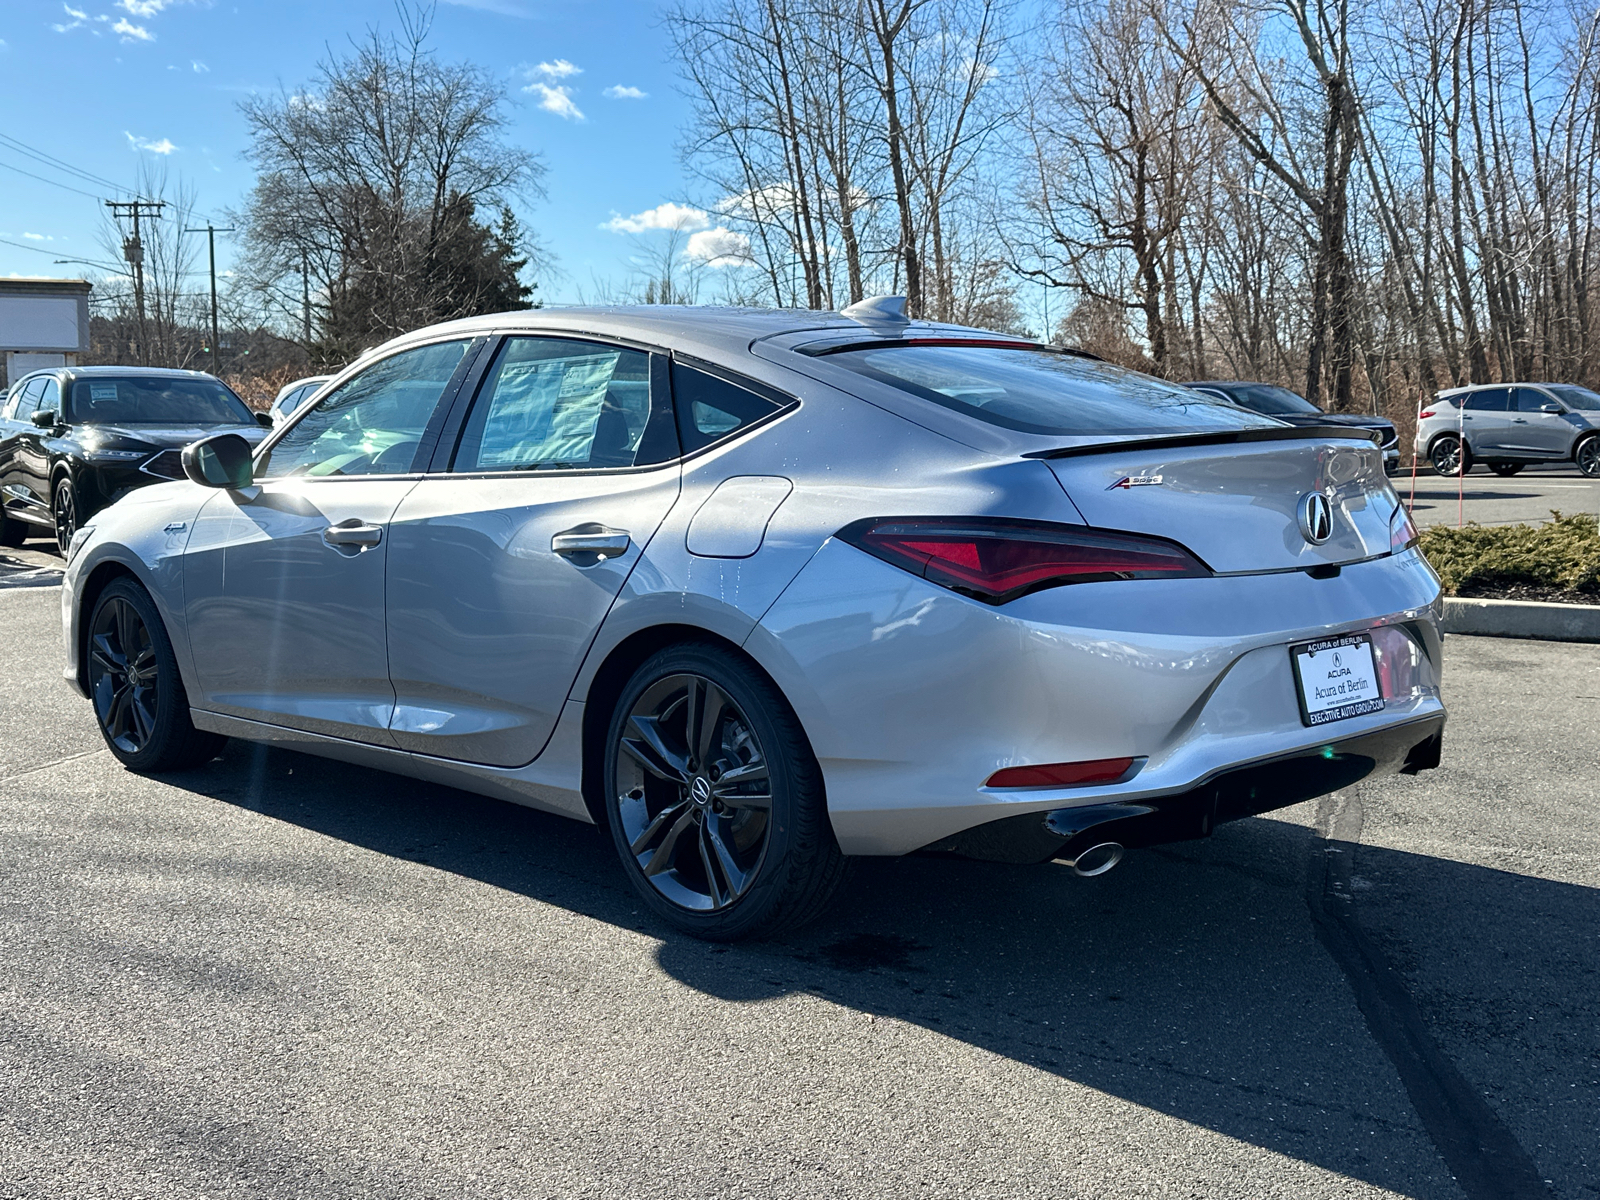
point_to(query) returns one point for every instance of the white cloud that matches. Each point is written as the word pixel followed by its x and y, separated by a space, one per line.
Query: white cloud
pixel 129 32
pixel 503 7
pixel 623 92
pixel 557 100
pixel 78 18
pixel 662 216
pixel 164 146
pixel 719 247
pixel 142 8
pixel 198 67
pixel 560 69
pixel 38 237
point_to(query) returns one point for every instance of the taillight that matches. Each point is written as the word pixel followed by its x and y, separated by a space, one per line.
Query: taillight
pixel 996 559
pixel 1402 531
pixel 1423 416
pixel 1399 662
pixel 1073 774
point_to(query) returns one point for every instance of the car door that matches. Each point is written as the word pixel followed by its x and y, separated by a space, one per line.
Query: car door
pixel 33 445
pixel 504 562
pixel 1533 432
pixel 284 581
pixel 14 428
pixel 1484 420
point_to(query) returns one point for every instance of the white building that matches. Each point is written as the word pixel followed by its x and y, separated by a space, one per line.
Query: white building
pixel 43 323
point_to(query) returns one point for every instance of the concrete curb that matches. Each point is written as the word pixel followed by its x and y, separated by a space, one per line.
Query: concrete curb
pixel 1523 619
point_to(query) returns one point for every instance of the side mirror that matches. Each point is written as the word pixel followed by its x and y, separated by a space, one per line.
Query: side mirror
pixel 264 419
pixel 44 418
pixel 222 461
pixel 1550 408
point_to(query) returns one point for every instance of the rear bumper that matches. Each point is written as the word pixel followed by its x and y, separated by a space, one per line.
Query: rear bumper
pixel 1245 791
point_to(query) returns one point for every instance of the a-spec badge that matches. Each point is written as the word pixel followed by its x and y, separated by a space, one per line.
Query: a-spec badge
pixel 1133 481
pixel 1316 518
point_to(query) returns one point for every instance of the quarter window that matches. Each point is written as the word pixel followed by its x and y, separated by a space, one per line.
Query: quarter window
pixel 709 408
pixel 553 404
pixel 372 424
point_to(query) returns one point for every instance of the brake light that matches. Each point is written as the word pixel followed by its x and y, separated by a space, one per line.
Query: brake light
pixel 1099 770
pixel 1423 416
pixel 1402 531
pixel 997 560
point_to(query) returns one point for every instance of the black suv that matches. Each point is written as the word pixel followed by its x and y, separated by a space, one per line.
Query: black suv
pixel 1280 402
pixel 75 439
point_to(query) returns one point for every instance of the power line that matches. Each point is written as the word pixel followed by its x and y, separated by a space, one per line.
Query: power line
pixel 59 164
pixel 52 182
pixel 40 250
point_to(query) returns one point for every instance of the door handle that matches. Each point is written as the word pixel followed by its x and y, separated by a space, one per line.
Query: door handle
pixel 583 541
pixel 352 536
pixel 1518 421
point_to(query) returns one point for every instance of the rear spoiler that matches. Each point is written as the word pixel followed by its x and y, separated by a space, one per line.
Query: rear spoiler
pixel 1289 433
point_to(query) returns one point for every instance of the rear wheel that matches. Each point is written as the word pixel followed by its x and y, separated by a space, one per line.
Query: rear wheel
pixel 138 696
pixel 1587 456
pixel 715 799
pixel 1505 469
pixel 1450 457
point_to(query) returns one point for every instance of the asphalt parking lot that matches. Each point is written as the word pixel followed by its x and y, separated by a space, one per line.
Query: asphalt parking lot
pixel 1528 496
pixel 278 976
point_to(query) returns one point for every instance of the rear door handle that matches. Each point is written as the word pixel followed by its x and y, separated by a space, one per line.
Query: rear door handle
pixel 583 540
pixel 1519 421
pixel 352 536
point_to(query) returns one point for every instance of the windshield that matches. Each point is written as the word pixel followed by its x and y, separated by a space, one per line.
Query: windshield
pixel 1579 398
pixel 1268 398
pixel 155 400
pixel 1042 391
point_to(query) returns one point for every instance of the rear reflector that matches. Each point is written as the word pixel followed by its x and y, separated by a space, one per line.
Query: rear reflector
pixel 996 560
pixel 1099 770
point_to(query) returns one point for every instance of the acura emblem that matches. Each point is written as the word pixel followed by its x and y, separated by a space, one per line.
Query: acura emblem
pixel 700 789
pixel 1316 518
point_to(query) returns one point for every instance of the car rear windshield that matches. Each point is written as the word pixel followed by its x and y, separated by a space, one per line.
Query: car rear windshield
pixel 1047 392
pixel 1270 399
pixel 153 400
pixel 1575 397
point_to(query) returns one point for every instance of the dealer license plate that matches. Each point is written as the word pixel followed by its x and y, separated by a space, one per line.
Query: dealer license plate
pixel 1338 678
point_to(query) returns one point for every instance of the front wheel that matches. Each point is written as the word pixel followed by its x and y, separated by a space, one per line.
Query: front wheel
pixel 65 507
pixel 715 800
pixel 138 696
pixel 1587 456
pixel 1450 457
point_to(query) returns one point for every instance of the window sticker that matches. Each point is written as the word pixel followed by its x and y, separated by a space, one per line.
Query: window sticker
pixel 102 391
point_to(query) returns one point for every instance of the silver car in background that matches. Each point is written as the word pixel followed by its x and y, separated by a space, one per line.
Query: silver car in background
pixel 760 590
pixel 1506 426
pixel 292 395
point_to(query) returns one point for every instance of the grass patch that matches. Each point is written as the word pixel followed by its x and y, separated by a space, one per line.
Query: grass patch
pixel 1560 560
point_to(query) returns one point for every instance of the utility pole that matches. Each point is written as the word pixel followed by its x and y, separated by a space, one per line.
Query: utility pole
pixel 211 232
pixel 133 251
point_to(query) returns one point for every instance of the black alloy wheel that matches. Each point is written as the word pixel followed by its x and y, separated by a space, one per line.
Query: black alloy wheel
pixel 715 800
pixel 1448 455
pixel 1587 456
pixel 1504 469
pixel 133 680
pixel 65 507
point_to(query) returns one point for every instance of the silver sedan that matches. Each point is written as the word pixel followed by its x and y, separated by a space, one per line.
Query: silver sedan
pixel 757 591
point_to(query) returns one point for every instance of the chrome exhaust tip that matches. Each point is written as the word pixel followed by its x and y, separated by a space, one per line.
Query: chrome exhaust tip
pixel 1096 860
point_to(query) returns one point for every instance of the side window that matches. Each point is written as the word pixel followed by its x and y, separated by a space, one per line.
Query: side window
pixel 292 400
pixel 29 399
pixel 50 398
pixel 1530 401
pixel 553 404
pixel 710 408
pixel 373 423
pixel 1488 400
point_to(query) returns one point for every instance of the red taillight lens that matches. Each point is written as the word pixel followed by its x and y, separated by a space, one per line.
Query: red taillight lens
pixel 1423 416
pixel 1099 770
pixel 997 560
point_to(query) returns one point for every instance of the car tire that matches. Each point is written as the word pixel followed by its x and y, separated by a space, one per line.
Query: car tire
pixel 1450 457
pixel 746 858
pixel 1587 455
pixel 139 700
pixel 64 507
pixel 1505 470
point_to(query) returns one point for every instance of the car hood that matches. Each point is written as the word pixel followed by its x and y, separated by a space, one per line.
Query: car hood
pixel 165 437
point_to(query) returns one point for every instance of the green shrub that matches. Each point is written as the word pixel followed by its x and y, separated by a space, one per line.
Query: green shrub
pixel 1563 554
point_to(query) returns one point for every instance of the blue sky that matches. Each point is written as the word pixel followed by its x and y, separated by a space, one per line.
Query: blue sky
pixel 101 84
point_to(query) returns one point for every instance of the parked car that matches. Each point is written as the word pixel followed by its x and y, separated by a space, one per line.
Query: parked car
pixel 1507 426
pixel 75 439
pixel 292 395
pixel 759 590
pixel 1280 402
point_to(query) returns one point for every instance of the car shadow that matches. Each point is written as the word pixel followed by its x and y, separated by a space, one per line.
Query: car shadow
pixel 1188 981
